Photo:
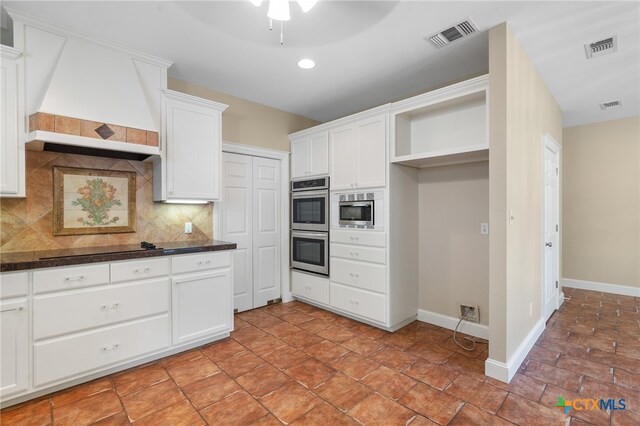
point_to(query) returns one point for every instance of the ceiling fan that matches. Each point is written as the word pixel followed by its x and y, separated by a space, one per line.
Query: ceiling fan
pixel 279 11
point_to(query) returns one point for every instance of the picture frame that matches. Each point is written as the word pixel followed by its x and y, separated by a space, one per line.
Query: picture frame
pixel 93 201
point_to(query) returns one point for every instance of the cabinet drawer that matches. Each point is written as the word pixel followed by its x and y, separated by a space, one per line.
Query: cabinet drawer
pixel 14 284
pixel 364 238
pixel 359 274
pixel 70 278
pixel 139 269
pixel 199 262
pixel 353 252
pixel 310 287
pixel 68 312
pixel 88 352
pixel 359 302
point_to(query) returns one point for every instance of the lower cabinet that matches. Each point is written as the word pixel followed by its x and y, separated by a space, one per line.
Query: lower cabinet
pixel 14 347
pixel 202 305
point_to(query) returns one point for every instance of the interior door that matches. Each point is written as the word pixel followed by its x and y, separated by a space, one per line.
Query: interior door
pixel 266 231
pixel 237 225
pixel 551 227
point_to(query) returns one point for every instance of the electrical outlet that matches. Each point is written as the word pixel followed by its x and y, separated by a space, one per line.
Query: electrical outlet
pixel 469 312
pixel 188 227
pixel 484 228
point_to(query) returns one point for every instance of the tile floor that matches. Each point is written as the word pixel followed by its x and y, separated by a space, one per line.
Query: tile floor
pixel 294 363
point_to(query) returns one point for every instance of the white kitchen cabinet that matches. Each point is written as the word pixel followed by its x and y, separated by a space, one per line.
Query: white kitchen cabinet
pixel 189 169
pixel 12 158
pixel 310 155
pixel 14 347
pixel 358 154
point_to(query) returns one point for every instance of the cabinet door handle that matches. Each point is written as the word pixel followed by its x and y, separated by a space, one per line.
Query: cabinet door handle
pixel 308 287
pixel 74 279
pixel 17 308
pixel 110 347
pixel 115 305
pixel 354 238
pixel 354 302
pixel 207 262
pixel 145 270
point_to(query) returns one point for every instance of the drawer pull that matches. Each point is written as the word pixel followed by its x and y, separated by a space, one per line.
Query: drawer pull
pixel 355 254
pixel 145 270
pixel 17 308
pixel 75 279
pixel 308 287
pixel 353 275
pixel 115 305
pixel 204 263
pixel 110 348
pixel 354 302
pixel 354 238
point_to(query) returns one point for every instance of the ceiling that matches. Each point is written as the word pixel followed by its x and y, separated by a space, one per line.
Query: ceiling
pixel 368 53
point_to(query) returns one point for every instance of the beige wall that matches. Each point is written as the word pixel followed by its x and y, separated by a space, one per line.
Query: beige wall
pixel 454 256
pixel 601 201
pixel 248 122
pixel 521 110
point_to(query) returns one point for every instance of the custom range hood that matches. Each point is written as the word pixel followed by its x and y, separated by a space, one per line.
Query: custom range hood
pixel 88 96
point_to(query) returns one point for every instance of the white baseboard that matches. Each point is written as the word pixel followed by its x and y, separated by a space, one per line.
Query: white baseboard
pixel 560 300
pixel 624 290
pixel 505 372
pixel 471 328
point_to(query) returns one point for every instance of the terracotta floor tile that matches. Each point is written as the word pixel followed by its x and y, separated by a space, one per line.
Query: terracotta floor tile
pixel 438 376
pixel 279 309
pixel 323 315
pixel 624 418
pixel 568 348
pixel 400 341
pixel 190 372
pixel 151 399
pixel 264 321
pixel 316 325
pixel 628 349
pixel 354 365
pixel 311 373
pixel 325 414
pixel 268 420
pixel 626 379
pixel 342 392
pixel 236 409
pixel 430 352
pixel 421 421
pixel 264 345
pixel 180 358
pixel 596 389
pixel 470 415
pixel 543 355
pixel 596 417
pixel 223 350
pixel 290 402
pixel 302 339
pixel 286 357
pixel 554 375
pixel 210 390
pixel 593 342
pixel 450 345
pixel 394 358
pixel 363 345
pixel 345 322
pixel 81 391
pixel 432 403
pixel 326 351
pixel 336 334
pixel 478 393
pixel 119 419
pixel 588 368
pixel 523 411
pixel 615 360
pixel 376 409
pixel 180 414
pixel 88 410
pixel 241 363
pixel 263 380
pixel 388 382
pixel 521 385
pixel 140 378
pixel 369 331
pixel 247 334
pixel 283 330
pixel 297 318
pixel 34 414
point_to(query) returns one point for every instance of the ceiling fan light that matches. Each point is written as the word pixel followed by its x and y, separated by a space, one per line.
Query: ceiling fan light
pixel 256 3
pixel 307 5
pixel 279 10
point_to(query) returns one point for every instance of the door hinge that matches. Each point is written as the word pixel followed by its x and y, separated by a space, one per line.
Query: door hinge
pixel 557 171
pixel 556 284
pixel 235 311
pixel 274 301
pixel 556 228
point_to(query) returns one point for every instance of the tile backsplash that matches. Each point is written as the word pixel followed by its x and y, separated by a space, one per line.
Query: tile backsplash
pixel 26 224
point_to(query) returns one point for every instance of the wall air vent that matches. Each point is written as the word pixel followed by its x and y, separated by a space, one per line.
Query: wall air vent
pixel 601 47
pixel 453 33
pixel 610 105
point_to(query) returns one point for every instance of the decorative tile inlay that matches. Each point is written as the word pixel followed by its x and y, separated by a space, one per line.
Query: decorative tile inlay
pixel 104 131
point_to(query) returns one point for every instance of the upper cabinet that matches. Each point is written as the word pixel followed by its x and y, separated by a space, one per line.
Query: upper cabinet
pixel 444 126
pixel 192 150
pixel 358 153
pixel 12 161
pixel 310 155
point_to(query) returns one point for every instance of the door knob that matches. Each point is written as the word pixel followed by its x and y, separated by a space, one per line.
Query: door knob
pixel 548 244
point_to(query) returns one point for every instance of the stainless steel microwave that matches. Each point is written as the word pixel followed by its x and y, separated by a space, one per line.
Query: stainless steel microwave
pixel 358 213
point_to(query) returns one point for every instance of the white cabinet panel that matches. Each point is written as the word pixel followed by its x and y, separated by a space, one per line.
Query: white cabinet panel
pixel 364 238
pixel 61 313
pixel 55 360
pixel 300 158
pixel 14 284
pixel 343 157
pixel 310 155
pixel 364 254
pixel 200 262
pixel 359 274
pixel 14 347
pixel 372 159
pixel 201 306
pixel 139 269
pixel 70 278
pixel 12 160
pixel 359 302
pixel 311 287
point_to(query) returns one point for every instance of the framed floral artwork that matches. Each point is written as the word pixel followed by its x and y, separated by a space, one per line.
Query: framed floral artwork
pixel 89 201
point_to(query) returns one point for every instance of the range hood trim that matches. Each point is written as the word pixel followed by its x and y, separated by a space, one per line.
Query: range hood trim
pixel 35 142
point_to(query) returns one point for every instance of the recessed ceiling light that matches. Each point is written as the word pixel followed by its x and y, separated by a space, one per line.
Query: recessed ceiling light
pixel 306 63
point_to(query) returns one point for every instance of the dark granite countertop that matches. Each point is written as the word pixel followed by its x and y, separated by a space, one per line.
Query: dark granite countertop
pixel 64 257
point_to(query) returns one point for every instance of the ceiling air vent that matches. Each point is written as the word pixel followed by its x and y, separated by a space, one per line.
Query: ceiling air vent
pixel 602 47
pixel 611 104
pixel 453 33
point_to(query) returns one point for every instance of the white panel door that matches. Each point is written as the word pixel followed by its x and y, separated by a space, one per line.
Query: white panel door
pixel 9 128
pixel 343 157
pixel 14 347
pixel 550 291
pixel 300 158
pixel 266 231
pixel 372 137
pixel 319 148
pixel 237 225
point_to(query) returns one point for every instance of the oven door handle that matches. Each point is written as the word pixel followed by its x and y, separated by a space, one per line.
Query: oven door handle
pixel 310 194
pixel 304 234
